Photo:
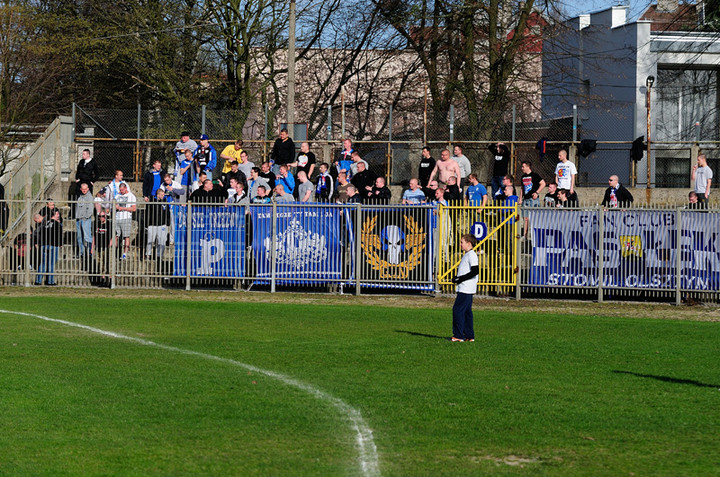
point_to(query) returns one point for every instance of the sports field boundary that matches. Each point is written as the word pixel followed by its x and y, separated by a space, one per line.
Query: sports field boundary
pixel 364 441
pixel 645 309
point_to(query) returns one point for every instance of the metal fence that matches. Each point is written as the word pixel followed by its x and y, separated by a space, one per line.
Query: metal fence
pixel 273 246
pixel 131 140
pixel 496 228
pixel 658 254
pixel 661 254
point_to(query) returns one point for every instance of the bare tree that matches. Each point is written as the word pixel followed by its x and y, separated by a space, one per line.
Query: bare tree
pixel 247 38
pixel 27 76
pixel 359 63
pixel 471 52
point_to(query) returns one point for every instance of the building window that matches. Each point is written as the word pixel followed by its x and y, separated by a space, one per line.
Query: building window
pixel 672 168
pixel 685 97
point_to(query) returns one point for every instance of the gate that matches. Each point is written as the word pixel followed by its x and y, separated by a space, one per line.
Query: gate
pixel 497 230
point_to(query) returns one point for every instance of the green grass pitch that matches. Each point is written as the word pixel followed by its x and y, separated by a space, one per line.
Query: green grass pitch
pixel 539 393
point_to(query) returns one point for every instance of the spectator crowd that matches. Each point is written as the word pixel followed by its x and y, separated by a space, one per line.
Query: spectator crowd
pixel 290 175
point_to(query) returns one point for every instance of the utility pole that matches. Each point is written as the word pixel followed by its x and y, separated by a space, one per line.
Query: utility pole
pixel 291 72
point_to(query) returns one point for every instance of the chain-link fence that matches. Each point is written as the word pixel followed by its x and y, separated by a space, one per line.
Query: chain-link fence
pixel 452 125
pixel 130 140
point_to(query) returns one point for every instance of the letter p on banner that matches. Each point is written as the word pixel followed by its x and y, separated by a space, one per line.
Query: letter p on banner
pixel 212 250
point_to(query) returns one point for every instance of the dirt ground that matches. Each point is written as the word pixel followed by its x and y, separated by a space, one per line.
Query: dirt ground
pixel 696 312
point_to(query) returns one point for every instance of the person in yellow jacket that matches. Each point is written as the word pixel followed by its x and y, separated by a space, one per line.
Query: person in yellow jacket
pixel 231 153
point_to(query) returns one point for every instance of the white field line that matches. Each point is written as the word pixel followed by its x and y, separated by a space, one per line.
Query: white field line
pixel 367 452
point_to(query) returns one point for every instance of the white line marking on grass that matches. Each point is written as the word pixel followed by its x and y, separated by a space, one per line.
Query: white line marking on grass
pixel 367 452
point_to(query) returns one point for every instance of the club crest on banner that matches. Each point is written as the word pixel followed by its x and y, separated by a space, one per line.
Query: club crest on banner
pixel 295 247
pixel 631 246
pixel 396 250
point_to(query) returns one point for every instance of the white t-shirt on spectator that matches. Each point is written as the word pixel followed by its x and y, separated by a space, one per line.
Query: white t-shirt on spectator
pixel 564 172
pixel 104 203
pixel 125 200
pixel 702 174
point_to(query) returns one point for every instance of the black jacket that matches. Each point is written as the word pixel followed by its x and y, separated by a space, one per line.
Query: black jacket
pixel 47 213
pixel 215 196
pixel 452 193
pixel 381 195
pixel 37 236
pixel 638 149
pixel 283 152
pixel 239 176
pixel 502 159
pixel 362 180
pixel 270 178
pixel 587 147
pixel 157 213
pixel 149 182
pixel 622 195
pixel 87 172
pixel 52 233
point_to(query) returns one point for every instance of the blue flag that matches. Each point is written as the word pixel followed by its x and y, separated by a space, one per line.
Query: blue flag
pixel 217 241
pixel 306 245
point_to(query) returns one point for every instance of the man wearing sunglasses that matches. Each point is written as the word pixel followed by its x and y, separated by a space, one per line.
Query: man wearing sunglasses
pixel 616 195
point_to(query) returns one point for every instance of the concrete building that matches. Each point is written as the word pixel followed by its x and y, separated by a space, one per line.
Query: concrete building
pixel 603 63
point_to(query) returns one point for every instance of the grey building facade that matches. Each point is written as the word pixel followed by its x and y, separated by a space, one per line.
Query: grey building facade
pixel 601 62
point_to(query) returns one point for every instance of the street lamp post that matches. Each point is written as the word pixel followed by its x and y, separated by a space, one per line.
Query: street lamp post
pixel 648 192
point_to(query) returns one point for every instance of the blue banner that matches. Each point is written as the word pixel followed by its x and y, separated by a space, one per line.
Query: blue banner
pixel 217 241
pixel 639 249
pixel 306 245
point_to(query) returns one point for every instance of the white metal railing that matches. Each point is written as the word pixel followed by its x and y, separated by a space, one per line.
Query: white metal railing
pixel 589 252
pixel 235 246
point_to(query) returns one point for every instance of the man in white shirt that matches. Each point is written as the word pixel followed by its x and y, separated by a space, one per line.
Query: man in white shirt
pixel 174 192
pixel 565 172
pixel 126 205
pixel 702 176
pixel 467 281
pixel 463 163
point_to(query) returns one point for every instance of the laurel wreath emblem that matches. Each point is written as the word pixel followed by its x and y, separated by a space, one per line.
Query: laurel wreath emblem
pixel 371 244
